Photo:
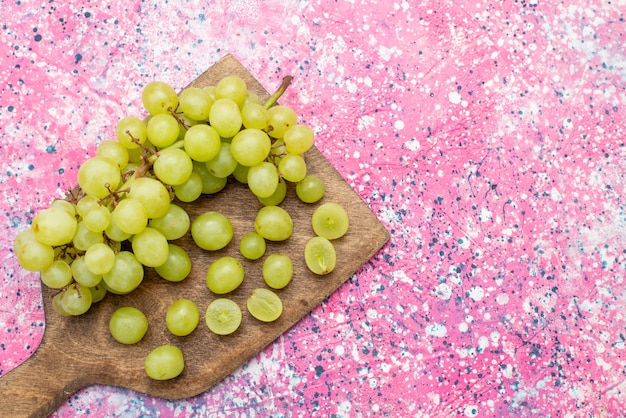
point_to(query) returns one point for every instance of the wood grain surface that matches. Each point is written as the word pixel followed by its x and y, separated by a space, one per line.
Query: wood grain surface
pixel 79 351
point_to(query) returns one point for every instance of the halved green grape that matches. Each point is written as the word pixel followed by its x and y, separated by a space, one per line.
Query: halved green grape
pixel 223 316
pixel 164 362
pixel 76 299
pixel 252 246
pixel 273 223
pixel 330 220
pixel 250 146
pixel 130 216
pixel 182 317
pixel 115 151
pixel 54 226
pixel 131 132
pixel 126 275
pixel 223 164
pixel 280 119
pixel 263 179
pixel 173 166
pixel 159 97
pixel 162 130
pixel 177 266
pixel 189 190
pixel 277 197
pixel 212 231
pixel 292 167
pixel 152 194
pixel 57 275
pixel 195 103
pixel 310 189
pixel 320 256
pixel 225 117
pixel 224 275
pixel 277 270
pixel 202 142
pixel 264 305
pixel 232 87
pixel 128 325
pixel 82 274
pixel 99 258
pixel 150 247
pixel 174 224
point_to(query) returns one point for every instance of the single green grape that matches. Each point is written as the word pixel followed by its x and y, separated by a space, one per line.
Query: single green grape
pixel 252 246
pixel 82 274
pixel 126 274
pixel 54 226
pixel 57 304
pixel 99 258
pixel 210 183
pixel 254 115
pixel 177 266
pixel 277 270
pixel 223 164
pixel 57 275
pixel 131 132
pixel 232 87
pixel 174 224
pixel 320 256
pixel 97 218
pixel 250 146
pixel 225 117
pixel 212 231
pixel 85 203
pixel 128 325
pixel 76 299
pixel 152 194
pixel 85 237
pixel 298 139
pixel 98 292
pixel 277 197
pixel 182 317
pixel 273 223
pixel 65 205
pixel 130 216
pixel 115 151
pixel 114 232
pixel 190 190
pixel 159 97
pixel 224 275
pixel 173 166
pixel 202 142
pixel 280 118
pixel 292 167
pixel 223 316
pixel 310 189
pixel 162 130
pixel 263 179
pixel 264 305
pixel 330 220
pixel 150 247
pixel 195 102
pixel 164 362
pixel 33 255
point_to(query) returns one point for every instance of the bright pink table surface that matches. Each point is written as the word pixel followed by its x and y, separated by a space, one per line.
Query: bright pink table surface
pixel 487 136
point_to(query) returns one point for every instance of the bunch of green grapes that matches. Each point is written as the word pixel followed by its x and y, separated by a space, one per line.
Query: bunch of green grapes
pixel 123 215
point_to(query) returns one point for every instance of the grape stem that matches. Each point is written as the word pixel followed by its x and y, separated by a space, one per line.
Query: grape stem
pixel 281 89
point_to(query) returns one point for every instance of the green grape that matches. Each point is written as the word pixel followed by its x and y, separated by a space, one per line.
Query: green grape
pixel 223 164
pixel 277 270
pixel 250 146
pixel 97 218
pixel 212 231
pixel 174 224
pixel 173 166
pixel 177 266
pixel 164 362
pixel 152 194
pixel 76 299
pixel 241 173
pixel 114 232
pixel 202 142
pixel 185 123
pixel 85 203
pixel 54 226
pixel 99 258
pixel 278 149
pixel 98 176
pixel 212 92
pixel 150 247
pixel 225 117
pixel 232 87
pixel 126 275
pixel 128 325
pixel 254 116
pixel 330 221
pixel 195 103
pixel 252 246
pixel 189 190
pixel 33 255
pixel 85 237
pixel 252 98
pixel 131 132
pixel 83 275
pixel 310 189
pixel 273 223
pixel 159 97
pixel 263 179
pixel 298 139
pixel 98 292
pixel 69 207
pixel 224 275
pixel 277 197
pixel 182 317
pixel 264 305
pixel 22 237
pixel 320 256
pixel 280 118
pixel 292 167
pixel 162 130
pixel 223 316
pixel 57 275
pixel 210 183
pixel 114 151
pixel 130 216
pixel 57 304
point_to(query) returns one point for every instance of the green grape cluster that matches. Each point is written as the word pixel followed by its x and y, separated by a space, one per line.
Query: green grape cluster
pixel 124 214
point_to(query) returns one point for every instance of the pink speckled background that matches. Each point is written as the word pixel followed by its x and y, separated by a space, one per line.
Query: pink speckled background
pixel 488 136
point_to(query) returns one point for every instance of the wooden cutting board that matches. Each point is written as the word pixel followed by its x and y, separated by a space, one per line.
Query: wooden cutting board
pixel 79 351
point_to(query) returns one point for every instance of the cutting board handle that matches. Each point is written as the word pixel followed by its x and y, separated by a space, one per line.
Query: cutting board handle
pixel 37 387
